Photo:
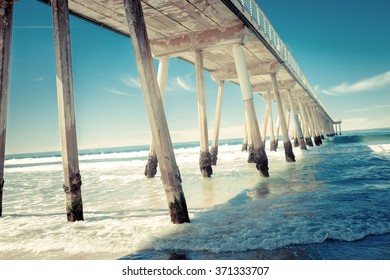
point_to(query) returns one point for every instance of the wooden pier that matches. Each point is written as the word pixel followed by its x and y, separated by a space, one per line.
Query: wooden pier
pixel 232 40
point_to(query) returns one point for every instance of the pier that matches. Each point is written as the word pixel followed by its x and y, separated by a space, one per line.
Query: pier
pixel 231 40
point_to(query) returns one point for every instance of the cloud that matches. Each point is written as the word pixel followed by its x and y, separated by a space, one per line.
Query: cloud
pixel 183 83
pixel 119 92
pixel 373 83
pixel 38 79
pixel 131 82
pixel 369 108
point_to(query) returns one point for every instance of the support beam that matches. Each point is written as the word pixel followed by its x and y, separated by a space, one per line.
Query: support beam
pixel 162 77
pixel 260 155
pixel 230 72
pixel 217 122
pixel 205 157
pixel 208 39
pixel 265 124
pixel 245 138
pixel 317 138
pixel 298 129
pixel 308 140
pixel 290 157
pixel 6 19
pixel 66 111
pixel 273 142
pixel 169 170
pixel 251 151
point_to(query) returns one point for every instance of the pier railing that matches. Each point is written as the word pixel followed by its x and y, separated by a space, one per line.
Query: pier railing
pixel 258 18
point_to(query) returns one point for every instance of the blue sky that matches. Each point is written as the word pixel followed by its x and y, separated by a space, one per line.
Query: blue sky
pixel 343 47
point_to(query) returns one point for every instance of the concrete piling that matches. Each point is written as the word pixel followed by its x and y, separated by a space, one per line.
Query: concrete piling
pixel 170 174
pixel 217 122
pixel 205 156
pixel 261 159
pixel 66 111
pixel 6 20
pixel 162 77
pixel 290 157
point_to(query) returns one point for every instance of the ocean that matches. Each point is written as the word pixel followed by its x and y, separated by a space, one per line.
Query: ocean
pixel 332 203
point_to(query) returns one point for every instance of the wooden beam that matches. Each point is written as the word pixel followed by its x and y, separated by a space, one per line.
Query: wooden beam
pixel 243 76
pixel 6 19
pixel 217 122
pixel 169 170
pixel 66 111
pixel 210 39
pixel 205 156
pixel 290 157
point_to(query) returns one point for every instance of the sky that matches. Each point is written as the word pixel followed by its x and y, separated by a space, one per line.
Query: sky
pixel 343 47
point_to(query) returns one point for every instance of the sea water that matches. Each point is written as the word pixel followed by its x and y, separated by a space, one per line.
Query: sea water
pixel 332 203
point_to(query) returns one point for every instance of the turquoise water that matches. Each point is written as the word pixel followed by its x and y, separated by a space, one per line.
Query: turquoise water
pixel 333 203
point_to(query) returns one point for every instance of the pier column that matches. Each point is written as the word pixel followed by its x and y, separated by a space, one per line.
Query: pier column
pixel 273 141
pixel 307 134
pixel 290 157
pixel 6 17
pixel 217 122
pixel 246 90
pixel 245 138
pixel 265 124
pixel 251 151
pixel 317 133
pixel 170 174
pixel 298 129
pixel 162 77
pixel 66 111
pixel 205 157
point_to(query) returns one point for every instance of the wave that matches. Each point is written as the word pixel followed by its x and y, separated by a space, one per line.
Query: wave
pixel 362 138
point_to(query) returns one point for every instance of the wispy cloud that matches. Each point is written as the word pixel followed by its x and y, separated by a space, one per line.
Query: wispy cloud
pixel 131 82
pixel 369 108
pixel 185 82
pixel 373 83
pixel 119 92
pixel 38 79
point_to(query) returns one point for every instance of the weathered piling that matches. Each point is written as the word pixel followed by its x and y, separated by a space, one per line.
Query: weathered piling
pixel 290 157
pixel 205 157
pixel 244 147
pixel 169 170
pixel 6 19
pixel 272 141
pixel 251 155
pixel 304 117
pixel 246 90
pixel 265 124
pixel 66 111
pixel 298 129
pixel 162 77
pixel 217 122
